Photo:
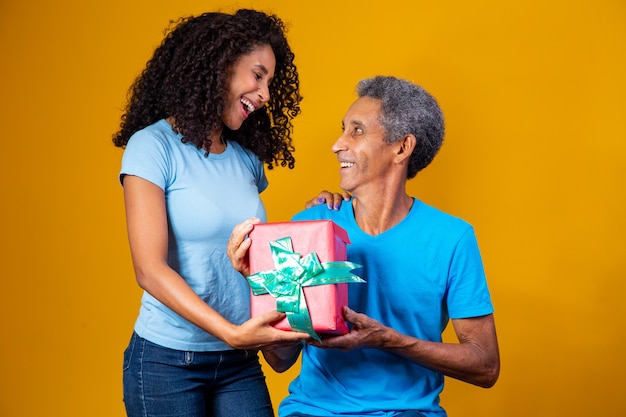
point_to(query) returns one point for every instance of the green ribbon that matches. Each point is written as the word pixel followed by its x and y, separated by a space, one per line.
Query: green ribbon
pixel 292 274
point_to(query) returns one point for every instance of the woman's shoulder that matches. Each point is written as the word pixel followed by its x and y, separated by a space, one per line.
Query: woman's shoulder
pixel 158 137
pixel 160 131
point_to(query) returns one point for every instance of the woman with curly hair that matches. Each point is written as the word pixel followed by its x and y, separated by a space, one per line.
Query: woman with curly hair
pixel 214 103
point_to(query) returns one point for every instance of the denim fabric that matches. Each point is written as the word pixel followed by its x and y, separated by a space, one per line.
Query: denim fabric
pixel 160 382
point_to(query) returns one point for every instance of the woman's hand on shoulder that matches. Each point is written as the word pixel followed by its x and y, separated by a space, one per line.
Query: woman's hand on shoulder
pixel 332 200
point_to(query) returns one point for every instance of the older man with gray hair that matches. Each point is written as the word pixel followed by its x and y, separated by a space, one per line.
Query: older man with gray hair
pixel 422 266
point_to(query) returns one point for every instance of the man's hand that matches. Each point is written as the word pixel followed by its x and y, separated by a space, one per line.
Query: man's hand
pixel 365 332
pixel 475 359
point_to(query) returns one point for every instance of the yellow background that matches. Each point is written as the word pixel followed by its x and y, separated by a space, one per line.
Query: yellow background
pixel 534 95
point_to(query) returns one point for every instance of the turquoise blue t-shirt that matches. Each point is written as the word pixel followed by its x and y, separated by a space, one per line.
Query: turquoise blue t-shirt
pixel 420 273
pixel 205 198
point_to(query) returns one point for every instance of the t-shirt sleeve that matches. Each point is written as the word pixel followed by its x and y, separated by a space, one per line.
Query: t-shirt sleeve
pixel 146 157
pixel 261 178
pixel 256 167
pixel 467 294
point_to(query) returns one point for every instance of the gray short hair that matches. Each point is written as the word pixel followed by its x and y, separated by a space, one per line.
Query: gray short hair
pixel 407 109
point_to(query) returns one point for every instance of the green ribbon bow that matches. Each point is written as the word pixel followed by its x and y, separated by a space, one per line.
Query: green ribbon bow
pixel 292 273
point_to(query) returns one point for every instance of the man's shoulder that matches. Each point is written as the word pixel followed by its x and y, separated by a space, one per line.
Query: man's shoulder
pixel 438 224
pixel 437 214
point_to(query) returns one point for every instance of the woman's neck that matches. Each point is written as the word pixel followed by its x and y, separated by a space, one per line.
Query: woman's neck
pixel 218 143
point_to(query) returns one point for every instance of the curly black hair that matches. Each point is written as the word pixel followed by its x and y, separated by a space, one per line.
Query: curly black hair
pixel 187 79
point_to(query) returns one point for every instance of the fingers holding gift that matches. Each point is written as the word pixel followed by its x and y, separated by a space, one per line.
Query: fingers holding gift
pixel 238 245
pixel 258 333
pixel 365 332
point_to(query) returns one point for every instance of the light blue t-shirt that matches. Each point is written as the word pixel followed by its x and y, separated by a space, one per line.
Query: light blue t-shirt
pixel 205 198
pixel 419 273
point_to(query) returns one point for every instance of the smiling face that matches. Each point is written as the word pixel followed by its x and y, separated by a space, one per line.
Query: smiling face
pixel 248 89
pixel 364 155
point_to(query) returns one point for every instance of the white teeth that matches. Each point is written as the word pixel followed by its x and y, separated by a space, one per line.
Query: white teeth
pixel 347 164
pixel 248 104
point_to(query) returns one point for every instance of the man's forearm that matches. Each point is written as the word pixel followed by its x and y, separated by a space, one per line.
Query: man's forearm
pixel 282 358
pixel 475 359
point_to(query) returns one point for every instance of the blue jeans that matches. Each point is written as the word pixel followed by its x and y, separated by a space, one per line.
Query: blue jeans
pixel 160 382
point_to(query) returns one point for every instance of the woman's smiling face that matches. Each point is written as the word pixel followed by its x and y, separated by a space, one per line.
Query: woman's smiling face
pixel 248 89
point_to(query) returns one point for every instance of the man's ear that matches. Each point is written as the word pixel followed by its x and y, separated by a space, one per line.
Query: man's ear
pixel 405 147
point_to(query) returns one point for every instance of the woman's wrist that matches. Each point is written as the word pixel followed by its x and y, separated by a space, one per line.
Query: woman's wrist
pixel 228 334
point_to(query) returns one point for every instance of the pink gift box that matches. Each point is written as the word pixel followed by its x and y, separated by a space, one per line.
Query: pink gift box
pixel 329 242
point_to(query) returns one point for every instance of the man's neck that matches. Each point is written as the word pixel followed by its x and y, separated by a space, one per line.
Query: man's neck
pixel 377 213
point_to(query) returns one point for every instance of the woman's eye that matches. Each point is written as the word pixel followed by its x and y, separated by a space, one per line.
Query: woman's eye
pixel 257 76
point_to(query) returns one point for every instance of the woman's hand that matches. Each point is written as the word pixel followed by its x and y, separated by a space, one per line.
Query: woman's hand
pixel 333 200
pixel 258 333
pixel 238 245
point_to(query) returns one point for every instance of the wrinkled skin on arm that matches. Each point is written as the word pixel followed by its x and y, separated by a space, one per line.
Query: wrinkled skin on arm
pixel 475 359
